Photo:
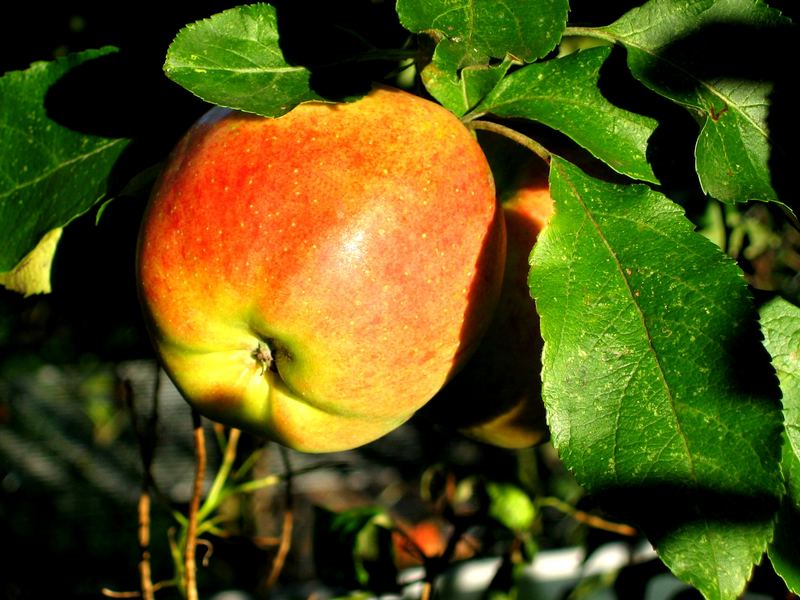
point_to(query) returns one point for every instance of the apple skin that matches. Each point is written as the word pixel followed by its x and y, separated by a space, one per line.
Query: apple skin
pixel 316 278
pixel 496 398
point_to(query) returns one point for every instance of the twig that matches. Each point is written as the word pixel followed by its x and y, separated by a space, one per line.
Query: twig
pixel 112 594
pixel 288 526
pixel 145 575
pixel 588 519
pixel 146 441
pixel 283 548
pixel 148 453
pixel 427 588
pixel 247 464
pixel 189 557
pixel 209 551
pixel 273 479
pixel 156 587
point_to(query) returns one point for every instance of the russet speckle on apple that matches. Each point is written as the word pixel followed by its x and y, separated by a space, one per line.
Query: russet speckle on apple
pixel 316 278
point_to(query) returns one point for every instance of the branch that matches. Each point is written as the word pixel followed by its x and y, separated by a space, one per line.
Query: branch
pixel 288 525
pixel 108 593
pixel 112 594
pixel 283 549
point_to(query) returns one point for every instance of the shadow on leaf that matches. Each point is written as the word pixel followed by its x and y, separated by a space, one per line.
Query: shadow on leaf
pixel 737 53
pixel 334 43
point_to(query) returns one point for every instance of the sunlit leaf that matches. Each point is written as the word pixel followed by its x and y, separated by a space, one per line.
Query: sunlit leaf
pixel 780 322
pixel 526 30
pixel 659 395
pixel 233 59
pixel 459 79
pixel 563 94
pixel 784 552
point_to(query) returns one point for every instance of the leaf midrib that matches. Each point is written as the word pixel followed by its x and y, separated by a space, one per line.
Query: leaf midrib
pixel 707 86
pixel 645 327
pixel 63 165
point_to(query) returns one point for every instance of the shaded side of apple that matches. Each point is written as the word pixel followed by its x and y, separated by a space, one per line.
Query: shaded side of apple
pixel 496 397
pixel 318 277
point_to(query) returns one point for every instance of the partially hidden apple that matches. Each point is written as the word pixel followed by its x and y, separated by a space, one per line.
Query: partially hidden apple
pixel 316 278
pixel 496 398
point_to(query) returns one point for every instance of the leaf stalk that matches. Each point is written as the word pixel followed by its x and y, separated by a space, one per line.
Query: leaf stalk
pixel 513 135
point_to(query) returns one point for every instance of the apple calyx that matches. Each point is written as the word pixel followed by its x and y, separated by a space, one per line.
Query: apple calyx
pixel 264 358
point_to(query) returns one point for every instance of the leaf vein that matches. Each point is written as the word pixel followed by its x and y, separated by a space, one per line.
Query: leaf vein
pixel 67 163
pixel 643 319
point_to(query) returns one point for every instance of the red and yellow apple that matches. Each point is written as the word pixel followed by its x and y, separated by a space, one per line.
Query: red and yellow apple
pixel 496 398
pixel 316 278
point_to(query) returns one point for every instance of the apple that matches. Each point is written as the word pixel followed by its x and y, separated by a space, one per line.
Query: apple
pixel 496 398
pixel 417 542
pixel 316 278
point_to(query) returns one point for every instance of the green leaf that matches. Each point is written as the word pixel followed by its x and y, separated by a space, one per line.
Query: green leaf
pixel 700 53
pixel 233 59
pixel 780 322
pixel 659 395
pixel 563 94
pixel 525 30
pixel 784 552
pixel 49 174
pixel 458 78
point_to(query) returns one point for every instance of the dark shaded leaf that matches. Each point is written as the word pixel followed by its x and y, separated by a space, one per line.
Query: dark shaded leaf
pixel 353 548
